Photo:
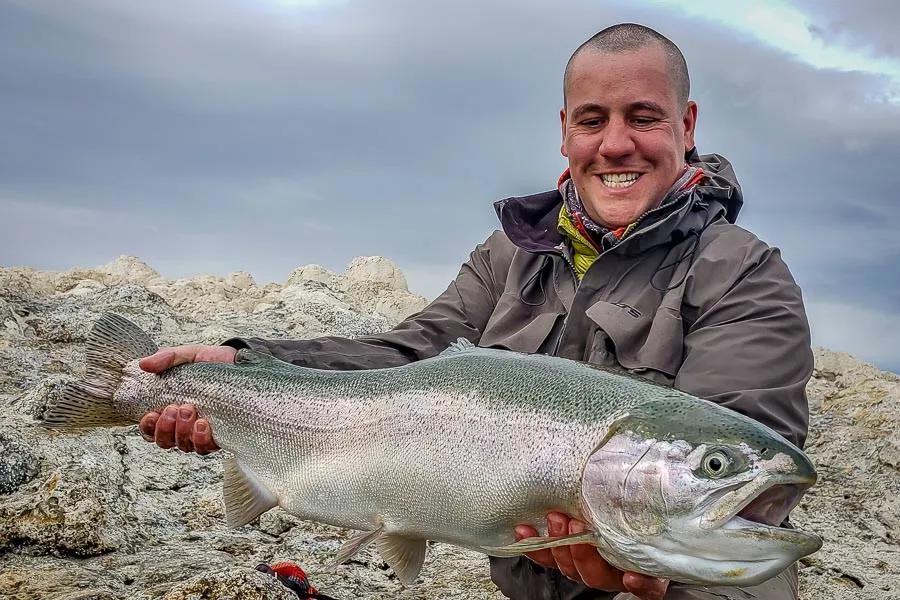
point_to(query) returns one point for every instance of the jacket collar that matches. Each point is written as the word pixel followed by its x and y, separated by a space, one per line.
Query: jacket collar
pixel 530 222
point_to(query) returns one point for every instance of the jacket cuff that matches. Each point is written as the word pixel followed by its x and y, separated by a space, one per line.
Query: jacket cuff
pixel 257 345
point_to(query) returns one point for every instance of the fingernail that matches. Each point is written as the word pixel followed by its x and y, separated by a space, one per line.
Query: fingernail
pixel 184 413
pixel 201 427
pixel 576 526
pixel 170 413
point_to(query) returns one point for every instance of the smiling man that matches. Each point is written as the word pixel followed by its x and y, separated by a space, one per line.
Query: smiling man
pixel 633 262
pixel 625 141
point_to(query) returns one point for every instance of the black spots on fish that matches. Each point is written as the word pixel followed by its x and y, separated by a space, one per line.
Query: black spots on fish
pixel 696 421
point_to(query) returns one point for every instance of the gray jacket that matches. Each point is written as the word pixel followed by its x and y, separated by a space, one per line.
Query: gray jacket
pixel 688 299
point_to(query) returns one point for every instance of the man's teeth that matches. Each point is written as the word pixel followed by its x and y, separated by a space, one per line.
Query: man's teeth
pixel 619 180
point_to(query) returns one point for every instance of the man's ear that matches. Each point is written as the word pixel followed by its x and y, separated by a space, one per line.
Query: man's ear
pixel 689 120
pixel 562 126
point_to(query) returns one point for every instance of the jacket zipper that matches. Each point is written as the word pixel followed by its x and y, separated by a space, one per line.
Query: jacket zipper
pixel 688 185
pixel 564 252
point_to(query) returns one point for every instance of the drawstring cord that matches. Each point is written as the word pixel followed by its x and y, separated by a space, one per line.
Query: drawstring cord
pixel 685 256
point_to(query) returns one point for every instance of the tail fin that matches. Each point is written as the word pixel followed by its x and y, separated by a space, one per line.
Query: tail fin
pixel 111 344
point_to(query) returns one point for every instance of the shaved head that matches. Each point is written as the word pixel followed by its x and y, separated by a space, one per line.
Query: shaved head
pixel 630 37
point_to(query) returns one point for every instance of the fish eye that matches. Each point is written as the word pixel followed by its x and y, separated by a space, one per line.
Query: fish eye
pixel 716 464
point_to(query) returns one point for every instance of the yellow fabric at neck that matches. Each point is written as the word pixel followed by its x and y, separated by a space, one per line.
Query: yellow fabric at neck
pixel 583 253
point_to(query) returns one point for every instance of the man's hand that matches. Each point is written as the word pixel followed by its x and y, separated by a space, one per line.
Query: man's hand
pixel 179 425
pixel 582 562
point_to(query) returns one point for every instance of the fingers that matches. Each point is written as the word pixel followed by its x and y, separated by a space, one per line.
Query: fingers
pixel 163 359
pixel 558 524
pixel 184 427
pixel 582 562
pixel 166 358
pixel 644 586
pixel 147 426
pixel 541 557
pixel 592 569
pixel 178 426
pixel 202 437
pixel 164 434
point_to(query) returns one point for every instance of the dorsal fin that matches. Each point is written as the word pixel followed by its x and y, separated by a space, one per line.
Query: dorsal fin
pixel 460 345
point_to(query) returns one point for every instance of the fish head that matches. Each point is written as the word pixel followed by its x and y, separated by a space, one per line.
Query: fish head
pixel 686 489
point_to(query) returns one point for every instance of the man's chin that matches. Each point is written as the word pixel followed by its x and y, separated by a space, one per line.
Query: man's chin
pixel 614 212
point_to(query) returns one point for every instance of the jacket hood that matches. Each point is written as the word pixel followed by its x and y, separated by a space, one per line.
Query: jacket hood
pixel 720 183
pixel 530 222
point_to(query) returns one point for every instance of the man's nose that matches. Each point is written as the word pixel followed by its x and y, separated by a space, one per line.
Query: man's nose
pixel 617 141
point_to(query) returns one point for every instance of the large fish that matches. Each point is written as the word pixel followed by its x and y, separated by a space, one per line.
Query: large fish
pixel 462 447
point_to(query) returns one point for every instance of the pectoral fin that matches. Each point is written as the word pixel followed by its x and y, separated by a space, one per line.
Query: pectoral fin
pixel 246 497
pixel 355 544
pixel 404 555
pixel 540 543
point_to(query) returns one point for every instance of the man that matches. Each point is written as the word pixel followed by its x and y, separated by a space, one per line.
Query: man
pixel 632 262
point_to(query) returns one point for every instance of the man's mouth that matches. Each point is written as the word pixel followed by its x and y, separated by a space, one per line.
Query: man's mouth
pixel 619 180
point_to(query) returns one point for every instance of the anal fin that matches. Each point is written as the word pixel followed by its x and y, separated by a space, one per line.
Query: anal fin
pixel 405 555
pixel 246 497
pixel 355 544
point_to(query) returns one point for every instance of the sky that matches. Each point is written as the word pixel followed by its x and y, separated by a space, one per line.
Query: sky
pixel 213 136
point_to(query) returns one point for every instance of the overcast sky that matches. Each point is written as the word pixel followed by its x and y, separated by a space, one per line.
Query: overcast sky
pixel 211 136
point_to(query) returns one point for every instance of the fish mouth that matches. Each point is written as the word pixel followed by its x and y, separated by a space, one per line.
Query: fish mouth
pixel 766 499
pixel 758 508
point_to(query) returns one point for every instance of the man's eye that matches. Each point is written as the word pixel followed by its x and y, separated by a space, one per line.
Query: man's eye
pixel 591 122
pixel 642 121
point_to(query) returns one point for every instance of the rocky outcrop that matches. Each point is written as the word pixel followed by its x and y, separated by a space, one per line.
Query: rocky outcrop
pixel 104 515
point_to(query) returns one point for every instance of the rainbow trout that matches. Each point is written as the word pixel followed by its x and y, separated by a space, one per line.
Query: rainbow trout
pixel 462 447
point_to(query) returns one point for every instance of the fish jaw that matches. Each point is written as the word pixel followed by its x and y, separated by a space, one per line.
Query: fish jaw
pixel 743 540
pixel 752 516
pixel 653 515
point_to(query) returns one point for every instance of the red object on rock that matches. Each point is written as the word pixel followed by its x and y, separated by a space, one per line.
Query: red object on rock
pixel 294 574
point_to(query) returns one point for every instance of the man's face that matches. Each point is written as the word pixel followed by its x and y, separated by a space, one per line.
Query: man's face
pixel 624 132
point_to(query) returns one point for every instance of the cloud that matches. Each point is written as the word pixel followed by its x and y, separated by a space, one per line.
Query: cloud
pixel 862 24
pixel 869 335
pixel 261 136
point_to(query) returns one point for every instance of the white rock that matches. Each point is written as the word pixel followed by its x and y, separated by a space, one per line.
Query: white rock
pixel 85 287
pixel 310 273
pixel 240 280
pixel 128 269
pixel 376 269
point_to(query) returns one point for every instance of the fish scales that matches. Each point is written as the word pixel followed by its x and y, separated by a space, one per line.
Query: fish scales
pixel 463 447
pixel 353 448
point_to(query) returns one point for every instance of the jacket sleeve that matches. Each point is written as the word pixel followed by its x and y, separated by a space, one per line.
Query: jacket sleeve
pixel 461 311
pixel 749 349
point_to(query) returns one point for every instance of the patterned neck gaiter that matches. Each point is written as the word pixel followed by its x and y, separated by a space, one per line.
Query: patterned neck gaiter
pixel 588 239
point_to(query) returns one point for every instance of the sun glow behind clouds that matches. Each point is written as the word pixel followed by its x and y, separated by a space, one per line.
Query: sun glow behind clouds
pixel 298 3
pixel 786 28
